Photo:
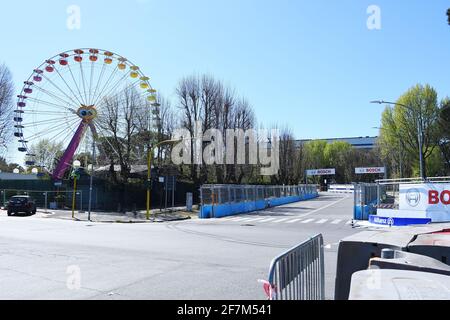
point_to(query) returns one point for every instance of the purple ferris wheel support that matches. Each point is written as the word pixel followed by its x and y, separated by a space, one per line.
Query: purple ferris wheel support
pixel 67 157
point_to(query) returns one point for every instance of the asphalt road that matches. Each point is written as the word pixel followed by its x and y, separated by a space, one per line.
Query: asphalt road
pixel 45 258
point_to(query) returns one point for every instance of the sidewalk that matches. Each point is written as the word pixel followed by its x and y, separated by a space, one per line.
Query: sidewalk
pixel 116 217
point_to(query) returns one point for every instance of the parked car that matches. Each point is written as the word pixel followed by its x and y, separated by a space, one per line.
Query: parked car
pixel 18 204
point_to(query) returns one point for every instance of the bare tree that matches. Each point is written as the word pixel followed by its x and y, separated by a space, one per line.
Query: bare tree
pixel 46 153
pixel 120 120
pixel 6 106
pixel 189 100
pixel 288 157
pixel 207 101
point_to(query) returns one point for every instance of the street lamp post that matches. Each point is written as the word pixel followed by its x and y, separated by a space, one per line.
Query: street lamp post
pixel 91 179
pixel 149 166
pixel 419 132
pixel 76 166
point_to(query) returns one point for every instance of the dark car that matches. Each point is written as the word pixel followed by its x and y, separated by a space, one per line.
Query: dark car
pixel 21 204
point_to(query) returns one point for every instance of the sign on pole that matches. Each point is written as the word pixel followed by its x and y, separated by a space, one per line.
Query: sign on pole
pixel 321 172
pixel 370 170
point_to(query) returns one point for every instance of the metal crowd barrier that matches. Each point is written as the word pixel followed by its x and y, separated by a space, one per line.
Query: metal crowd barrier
pixel 341 188
pixel 217 194
pixel 299 273
pixel 366 198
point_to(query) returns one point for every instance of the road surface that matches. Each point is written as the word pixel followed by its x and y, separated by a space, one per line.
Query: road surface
pixel 46 258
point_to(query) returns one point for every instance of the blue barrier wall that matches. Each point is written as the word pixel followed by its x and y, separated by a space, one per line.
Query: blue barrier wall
pixel 363 212
pixel 230 209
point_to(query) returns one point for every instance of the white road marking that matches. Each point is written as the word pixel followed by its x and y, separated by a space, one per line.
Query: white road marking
pixel 322 221
pixel 280 220
pixel 248 219
pixel 256 219
pixel 237 219
pixel 294 220
pixel 307 220
pixel 336 221
pixel 267 220
pixel 324 207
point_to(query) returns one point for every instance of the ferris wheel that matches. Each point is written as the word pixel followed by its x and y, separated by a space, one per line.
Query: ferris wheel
pixel 65 97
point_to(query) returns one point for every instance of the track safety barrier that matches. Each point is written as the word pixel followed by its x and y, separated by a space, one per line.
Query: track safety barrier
pixel 365 200
pixel 225 200
pixel 298 273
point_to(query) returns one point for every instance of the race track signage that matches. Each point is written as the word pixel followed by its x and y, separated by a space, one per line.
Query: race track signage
pixel 321 172
pixel 370 170
pixel 431 200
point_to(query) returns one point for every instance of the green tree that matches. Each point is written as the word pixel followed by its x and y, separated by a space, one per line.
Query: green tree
pixel 314 156
pixel 399 125
pixel 444 125
pixel 337 155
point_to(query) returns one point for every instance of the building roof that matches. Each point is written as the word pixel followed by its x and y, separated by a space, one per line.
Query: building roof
pixel 17 176
pixel 357 142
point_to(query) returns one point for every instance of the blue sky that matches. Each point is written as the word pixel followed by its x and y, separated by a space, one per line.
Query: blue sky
pixel 313 65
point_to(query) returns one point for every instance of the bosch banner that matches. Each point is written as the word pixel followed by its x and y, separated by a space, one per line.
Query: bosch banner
pixel 432 199
pixel 321 172
pixel 373 170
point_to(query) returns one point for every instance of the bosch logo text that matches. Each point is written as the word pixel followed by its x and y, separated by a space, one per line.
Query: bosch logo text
pixel 434 197
pixel 413 197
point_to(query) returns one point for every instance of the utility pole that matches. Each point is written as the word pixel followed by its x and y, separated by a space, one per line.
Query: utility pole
pixel 91 179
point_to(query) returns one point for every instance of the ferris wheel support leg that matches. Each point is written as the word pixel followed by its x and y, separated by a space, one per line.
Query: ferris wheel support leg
pixel 67 157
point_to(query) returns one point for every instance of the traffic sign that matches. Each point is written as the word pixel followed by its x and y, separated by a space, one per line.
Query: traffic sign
pixel 171 182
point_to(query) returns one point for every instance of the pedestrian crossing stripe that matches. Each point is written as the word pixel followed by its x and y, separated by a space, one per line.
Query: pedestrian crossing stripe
pixel 280 220
pixel 289 220
pixel 268 219
pixel 294 220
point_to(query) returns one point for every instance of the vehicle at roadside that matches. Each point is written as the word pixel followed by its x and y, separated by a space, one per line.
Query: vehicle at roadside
pixel 17 204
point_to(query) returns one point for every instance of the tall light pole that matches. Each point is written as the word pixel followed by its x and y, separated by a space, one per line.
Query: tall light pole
pixel 419 131
pixel 76 166
pixel 149 166
pixel 91 179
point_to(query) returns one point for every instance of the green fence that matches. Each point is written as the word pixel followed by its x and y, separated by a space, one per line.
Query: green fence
pixel 105 196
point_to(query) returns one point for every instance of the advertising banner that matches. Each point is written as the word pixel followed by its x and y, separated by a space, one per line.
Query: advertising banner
pixel 432 198
pixel 321 172
pixel 370 170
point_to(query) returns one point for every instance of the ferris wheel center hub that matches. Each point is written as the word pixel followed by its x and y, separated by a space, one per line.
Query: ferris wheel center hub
pixel 87 113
